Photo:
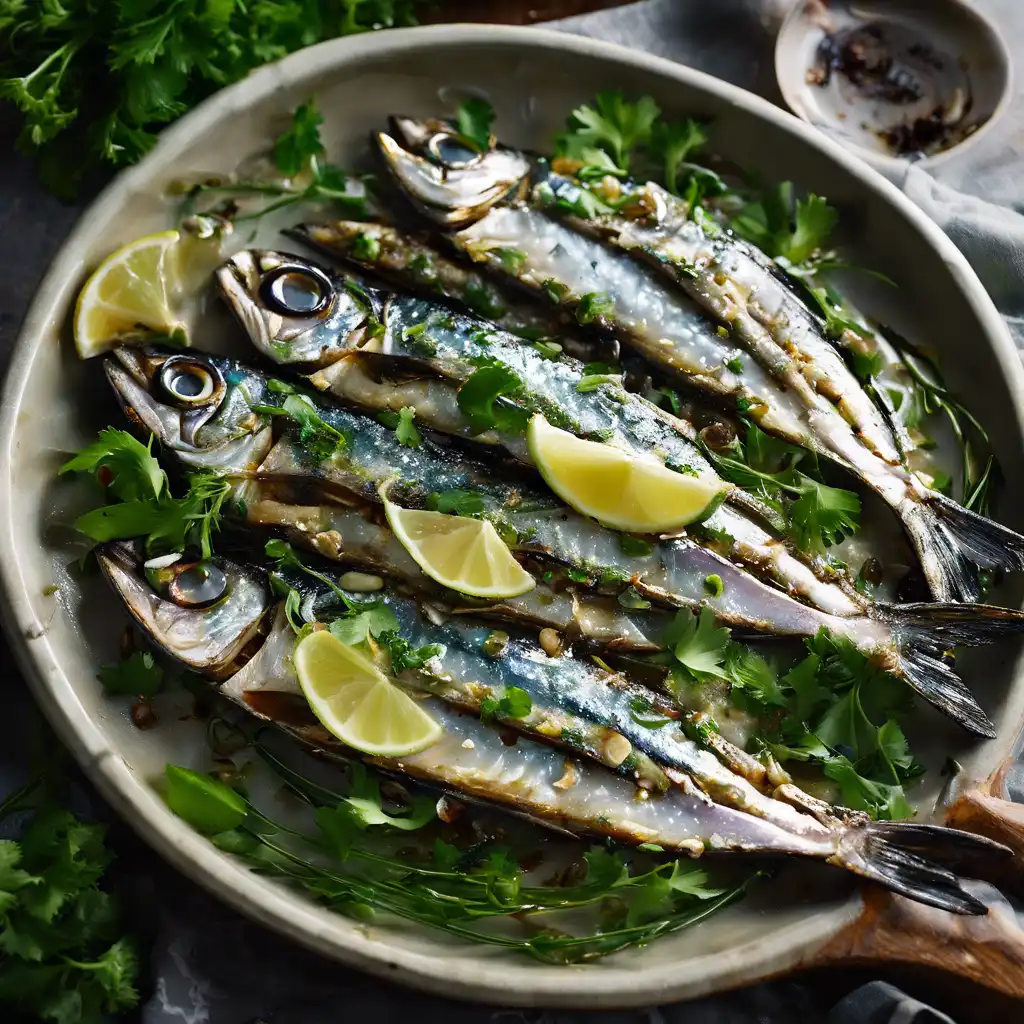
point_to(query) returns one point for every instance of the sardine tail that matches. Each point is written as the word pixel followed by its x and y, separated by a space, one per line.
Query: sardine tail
pixel 926 633
pixel 954 543
pixel 919 861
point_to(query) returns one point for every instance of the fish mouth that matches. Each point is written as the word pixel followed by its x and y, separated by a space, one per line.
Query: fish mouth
pixel 444 176
pixel 207 615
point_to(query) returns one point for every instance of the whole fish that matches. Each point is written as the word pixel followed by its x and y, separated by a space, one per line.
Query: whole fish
pixel 626 782
pixel 909 640
pixel 705 305
pixel 422 336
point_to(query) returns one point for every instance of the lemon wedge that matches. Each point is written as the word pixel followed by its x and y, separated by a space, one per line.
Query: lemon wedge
pixel 132 290
pixel 464 554
pixel 356 702
pixel 623 490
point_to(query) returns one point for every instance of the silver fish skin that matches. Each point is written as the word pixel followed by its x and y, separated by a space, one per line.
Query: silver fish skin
pixel 424 335
pixel 908 639
pixel 792 382
pixel 411 263
pixel 713 809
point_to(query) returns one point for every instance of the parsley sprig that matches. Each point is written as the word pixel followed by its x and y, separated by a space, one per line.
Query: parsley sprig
pixel 63 954
pixel 128 471
pixel 818 514
pixel 833 708
pixel 94 82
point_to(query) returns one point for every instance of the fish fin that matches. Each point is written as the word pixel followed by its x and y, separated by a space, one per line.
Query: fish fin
pixel 909 859
pixel 953 543
pixel 926 632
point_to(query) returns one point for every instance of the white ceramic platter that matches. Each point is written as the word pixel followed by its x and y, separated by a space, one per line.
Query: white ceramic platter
pixel 53 404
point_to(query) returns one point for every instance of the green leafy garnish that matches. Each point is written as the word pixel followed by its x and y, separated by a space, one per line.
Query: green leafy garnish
pixel 124 465
pixel 713 585
pixel 320 439
pixel 404 425
pixel 457 503
pixel 612 124
pixel 481 400
pixel 402 653
pixel 696 642
pixel 515 702
pixel 474 119
pixel 592 306
pixel 457 889
pixel 793 231
pixel 365 247
pixel 673 143
pixel 138 675
pixel 206 803
pixel 63 957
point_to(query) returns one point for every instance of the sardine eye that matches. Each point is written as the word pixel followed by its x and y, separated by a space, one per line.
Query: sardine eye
pixel 189 382
pixel 198 585
pixel 452 152
pixel 297 291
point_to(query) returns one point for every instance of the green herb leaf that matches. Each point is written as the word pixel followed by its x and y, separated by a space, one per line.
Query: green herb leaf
pixel 207 804
pixel 406 431
pixel 613 124
pixel 813 223
pixel 480 400
pixel 376 620
pixel 696 642
pixel 125 466
pixel 294 150
pixel 474 119
pixel 402 653
pixel 457 503
pixel 138 675
pixel 592 306
pixel 823 515
pixel 713 585
pixel 634 547
pixel 673 143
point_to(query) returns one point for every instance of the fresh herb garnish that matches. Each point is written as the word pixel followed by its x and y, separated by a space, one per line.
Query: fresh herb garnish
pixel 404 426
pixel 318 437
pixel 515 702
pixel 784 228
pixel 673 143
pixel 402 653
pixel 95 82
pixel 457 503
pixel 149 509
pixel 593 306
pixel 481 400
pixel 63 956
pixel 138 675
pixel 612 124
pixel 474 119
pixel 460 891
pixel 713 585
pixel 696 641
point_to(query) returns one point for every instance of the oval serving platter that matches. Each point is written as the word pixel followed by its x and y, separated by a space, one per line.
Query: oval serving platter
pixel 52 405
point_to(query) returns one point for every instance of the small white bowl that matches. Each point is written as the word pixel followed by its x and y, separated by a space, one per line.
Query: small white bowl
pixel 949 82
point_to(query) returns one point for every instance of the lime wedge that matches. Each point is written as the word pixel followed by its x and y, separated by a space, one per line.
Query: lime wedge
pixel 464 554
pixel 358 703
pixel 623 490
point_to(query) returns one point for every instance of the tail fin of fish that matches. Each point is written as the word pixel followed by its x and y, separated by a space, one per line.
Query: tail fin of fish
pixel 919 861
pixel 925 633
pixel 953 543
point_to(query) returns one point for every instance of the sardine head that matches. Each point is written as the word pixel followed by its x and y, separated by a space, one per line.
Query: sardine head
pixel 198 406
pixel 444 175
pixel 294 311
pixel 204 614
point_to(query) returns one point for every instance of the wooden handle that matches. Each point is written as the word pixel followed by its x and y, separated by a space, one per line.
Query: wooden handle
pixel 985 811
pixel 895 932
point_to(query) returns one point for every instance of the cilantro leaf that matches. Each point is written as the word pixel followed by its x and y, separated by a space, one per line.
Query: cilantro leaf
pixel 474 119
pixel 138 675
pixel 375 621
pixel 402 653
pixel 613 124
pixel 317 435
pixel 752 677
pixel 823 515
pixel 515 702
pixel 457 502
pixel 673 143
pixel 813 220
pixel 404 426
pixel 593 306
pixel 881 800
pixel 364 806
pixel 696 642
pixel 301 142
pixel 480 399
pixel 126 466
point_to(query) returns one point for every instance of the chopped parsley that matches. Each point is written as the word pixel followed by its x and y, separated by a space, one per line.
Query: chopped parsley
pixel 482 400
pixel 404 426
pixel 713 585
pixel 474 119
pixel 592 306
pixel 514 703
